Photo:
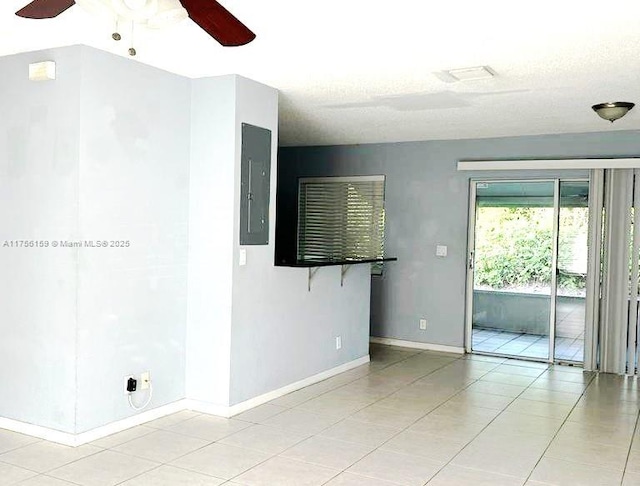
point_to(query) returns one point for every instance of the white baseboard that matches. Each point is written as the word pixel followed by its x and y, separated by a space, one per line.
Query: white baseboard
pixel 129 422
pixel 75 440
pixel 222 411
pixel 38 431
pixel 416 345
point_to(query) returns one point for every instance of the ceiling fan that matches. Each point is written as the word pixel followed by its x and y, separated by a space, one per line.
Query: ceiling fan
pixel 212 17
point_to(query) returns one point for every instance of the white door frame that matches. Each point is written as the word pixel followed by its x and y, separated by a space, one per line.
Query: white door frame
pixel 471 247
pixel 554 271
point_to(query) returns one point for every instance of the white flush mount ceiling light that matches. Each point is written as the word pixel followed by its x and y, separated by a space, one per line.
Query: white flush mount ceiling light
pixel 156 14
pixel 613 111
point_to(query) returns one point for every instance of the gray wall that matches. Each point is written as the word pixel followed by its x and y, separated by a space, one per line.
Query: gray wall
pixel 254 328
pixel 427 204
pixel 281 332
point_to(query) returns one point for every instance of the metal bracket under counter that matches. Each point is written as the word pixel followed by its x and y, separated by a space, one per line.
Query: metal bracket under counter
pixel 345 265
pixel 312 273
pixel 343 271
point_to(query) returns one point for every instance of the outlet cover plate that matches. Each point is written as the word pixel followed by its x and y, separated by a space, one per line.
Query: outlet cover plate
pixel 441 250
pixel 145 379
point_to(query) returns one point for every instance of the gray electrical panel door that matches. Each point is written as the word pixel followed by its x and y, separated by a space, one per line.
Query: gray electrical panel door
pixel 255 185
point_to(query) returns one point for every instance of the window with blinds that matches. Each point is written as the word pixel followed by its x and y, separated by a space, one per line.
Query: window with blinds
pixel 341 218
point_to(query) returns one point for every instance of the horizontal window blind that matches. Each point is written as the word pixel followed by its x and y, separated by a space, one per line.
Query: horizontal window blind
pixel 341 218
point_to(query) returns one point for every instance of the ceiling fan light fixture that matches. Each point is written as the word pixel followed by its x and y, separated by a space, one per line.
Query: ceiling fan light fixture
pixel 209 15
pixel 170 12
pixel 99 8
pixel 135 10
pixel 135 4
pixel 613 111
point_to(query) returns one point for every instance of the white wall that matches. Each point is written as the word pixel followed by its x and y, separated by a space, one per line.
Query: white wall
pixel 39 130
pixel 134 186
pixel 282 333
pixel 213 138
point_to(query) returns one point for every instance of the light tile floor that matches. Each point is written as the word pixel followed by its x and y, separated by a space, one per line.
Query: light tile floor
pixel 408 418
pixel 527 345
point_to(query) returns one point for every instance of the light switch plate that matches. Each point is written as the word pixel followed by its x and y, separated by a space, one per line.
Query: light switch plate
pixel 242 260
pixel 441 251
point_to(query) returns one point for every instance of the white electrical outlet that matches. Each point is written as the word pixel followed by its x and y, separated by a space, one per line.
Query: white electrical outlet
pixel 145 380
pixel 338 342
pixel 423 324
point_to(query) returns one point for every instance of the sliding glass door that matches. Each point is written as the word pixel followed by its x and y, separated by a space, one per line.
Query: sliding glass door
pixel 573 236
pixel 527 269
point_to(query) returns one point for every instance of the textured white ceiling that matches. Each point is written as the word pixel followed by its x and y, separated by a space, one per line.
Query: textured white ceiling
pixel 360 71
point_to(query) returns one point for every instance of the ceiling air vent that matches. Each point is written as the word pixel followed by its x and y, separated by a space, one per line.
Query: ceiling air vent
pixel 466 74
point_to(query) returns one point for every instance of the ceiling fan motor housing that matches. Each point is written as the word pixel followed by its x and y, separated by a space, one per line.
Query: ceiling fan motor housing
pixel 135 10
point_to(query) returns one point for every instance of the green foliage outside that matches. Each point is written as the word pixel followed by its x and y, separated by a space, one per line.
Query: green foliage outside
pixel 514 247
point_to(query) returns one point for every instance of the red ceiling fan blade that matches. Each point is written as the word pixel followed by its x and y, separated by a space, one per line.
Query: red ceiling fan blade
pixel 218 22
pixel 44 9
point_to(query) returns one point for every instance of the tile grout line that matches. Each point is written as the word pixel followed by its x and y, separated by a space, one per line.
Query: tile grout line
pixel 633 437
pixel 505 409
pixel 486 426
pixel 319 432
pixel 566 419
pixel 405 428
pixel 421 417
pixel 57 467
